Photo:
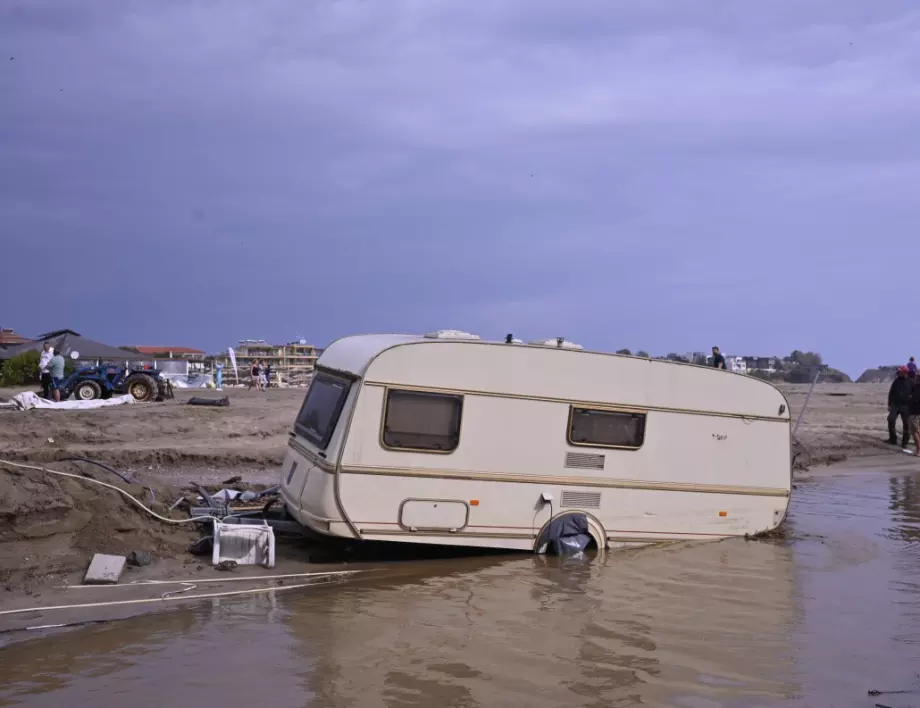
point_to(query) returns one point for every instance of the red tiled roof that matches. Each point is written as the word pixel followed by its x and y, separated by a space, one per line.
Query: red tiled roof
pixel 152 351
pixel 9 337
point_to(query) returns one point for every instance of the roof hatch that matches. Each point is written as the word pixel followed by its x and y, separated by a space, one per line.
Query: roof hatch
pixel 557 343
pixel 451 334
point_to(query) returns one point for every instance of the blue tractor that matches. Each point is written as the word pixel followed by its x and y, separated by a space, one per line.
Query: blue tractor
pixel 109 380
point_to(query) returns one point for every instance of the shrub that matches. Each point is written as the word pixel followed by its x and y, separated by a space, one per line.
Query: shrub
pixel 20 370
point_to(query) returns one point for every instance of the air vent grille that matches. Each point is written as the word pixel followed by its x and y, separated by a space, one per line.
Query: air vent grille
pixel 581 500
pixel 584 460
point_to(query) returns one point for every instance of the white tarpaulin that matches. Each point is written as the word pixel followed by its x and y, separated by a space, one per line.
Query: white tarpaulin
pixel 192 381
pixel 28 401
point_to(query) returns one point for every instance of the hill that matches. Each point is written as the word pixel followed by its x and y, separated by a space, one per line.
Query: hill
pixel 881 374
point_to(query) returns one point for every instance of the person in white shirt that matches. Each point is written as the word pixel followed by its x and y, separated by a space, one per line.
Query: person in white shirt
pixel 44 363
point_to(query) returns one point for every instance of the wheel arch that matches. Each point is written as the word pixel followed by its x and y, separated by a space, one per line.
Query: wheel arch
pixel 595 530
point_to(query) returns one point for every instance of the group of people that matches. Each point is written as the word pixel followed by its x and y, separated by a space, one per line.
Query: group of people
pixel 51 371
pixel 904 403
pixel 260 375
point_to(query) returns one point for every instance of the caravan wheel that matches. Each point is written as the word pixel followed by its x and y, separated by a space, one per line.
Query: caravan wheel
pixel 595 530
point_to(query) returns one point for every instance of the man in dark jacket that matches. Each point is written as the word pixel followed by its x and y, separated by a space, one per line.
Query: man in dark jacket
pixel 899 396
pixel 914 410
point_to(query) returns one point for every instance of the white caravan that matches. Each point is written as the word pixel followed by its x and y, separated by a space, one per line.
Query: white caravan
pixel 446 439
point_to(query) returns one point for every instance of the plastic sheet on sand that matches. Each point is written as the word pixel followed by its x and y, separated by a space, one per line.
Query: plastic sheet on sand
pixel 29 401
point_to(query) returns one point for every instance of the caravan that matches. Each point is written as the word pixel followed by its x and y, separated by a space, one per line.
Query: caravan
pixel 448 439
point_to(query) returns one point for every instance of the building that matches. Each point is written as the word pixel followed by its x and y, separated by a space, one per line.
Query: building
pixel 736 364
pixel 69 343
pixel 170 352
pixel 9 338
pixel 172 361
pixel 294 361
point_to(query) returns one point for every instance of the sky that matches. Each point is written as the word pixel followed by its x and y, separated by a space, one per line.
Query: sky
pixel 662 175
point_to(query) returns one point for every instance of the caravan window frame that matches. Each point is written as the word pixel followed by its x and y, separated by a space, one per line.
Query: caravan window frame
pixel 631 412
pixel 322 442
pixel 388 392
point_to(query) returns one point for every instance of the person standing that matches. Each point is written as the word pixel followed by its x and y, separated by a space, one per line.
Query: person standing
pixel 44 362
pixel 219 376
pixel 56 366
pixel 914 412
pixel 268 375
pixel 911 367
pixel 254 375
pixel 899 398
pixel 718 361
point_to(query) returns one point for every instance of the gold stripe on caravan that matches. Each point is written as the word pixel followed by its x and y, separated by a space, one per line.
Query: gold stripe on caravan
pixel 569 402
pixel 568 481
pixel 445 532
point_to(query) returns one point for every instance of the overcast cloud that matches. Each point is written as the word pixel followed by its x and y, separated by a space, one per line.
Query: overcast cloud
pixel 664 175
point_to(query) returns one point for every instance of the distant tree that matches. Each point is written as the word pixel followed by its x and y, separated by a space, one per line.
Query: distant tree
pixel 642 353
pixel 800 358
pixel 625 352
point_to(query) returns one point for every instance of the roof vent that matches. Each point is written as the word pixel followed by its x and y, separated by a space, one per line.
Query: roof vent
pixel 558 343
pixel 451 334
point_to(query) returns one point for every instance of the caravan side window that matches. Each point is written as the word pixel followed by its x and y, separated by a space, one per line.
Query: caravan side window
pixel 426 422
pixel 604 428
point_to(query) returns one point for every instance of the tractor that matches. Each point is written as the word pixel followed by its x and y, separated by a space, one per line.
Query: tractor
pixel 109 380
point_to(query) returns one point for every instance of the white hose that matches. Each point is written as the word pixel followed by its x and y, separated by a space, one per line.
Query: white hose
pixel 113 603
pixel 134 501
pixel 167 596
pixel 238 578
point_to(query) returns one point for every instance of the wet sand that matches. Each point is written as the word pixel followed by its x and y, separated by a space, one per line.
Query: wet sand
pixel 815 621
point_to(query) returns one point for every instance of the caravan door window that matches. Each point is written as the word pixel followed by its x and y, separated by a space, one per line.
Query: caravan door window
pixel 605 428
pixel 426 422
pixel 321 408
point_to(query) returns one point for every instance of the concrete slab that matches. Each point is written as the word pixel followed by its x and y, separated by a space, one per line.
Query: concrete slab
pixel 104 570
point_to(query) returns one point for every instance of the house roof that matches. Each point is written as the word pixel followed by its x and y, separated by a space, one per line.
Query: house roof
pixel 8 337
pixel 152 351
pixel 57 333
pixel 68 342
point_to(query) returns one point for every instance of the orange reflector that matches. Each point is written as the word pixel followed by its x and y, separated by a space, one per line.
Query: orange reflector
pixel 474 502
pixel 723 513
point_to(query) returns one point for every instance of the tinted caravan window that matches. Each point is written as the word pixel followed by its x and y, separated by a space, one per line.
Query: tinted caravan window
pixel 603 428
pixel 321 408
pixel 427 422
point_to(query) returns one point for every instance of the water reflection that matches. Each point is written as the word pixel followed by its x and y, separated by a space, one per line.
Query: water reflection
pixel 638 627
pixel 905 503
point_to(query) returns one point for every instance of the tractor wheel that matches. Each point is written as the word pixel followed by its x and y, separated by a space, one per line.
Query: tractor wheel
pixel 142 387
pixel 87 391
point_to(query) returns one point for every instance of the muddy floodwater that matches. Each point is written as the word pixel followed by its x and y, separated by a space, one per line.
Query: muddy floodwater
pixel 817 621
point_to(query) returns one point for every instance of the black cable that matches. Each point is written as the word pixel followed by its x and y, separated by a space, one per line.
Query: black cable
pixel 98 464
pixel 125 479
